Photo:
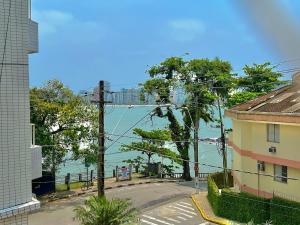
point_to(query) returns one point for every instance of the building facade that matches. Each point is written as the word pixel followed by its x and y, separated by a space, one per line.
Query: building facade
pixel 265 142
pixel 20 158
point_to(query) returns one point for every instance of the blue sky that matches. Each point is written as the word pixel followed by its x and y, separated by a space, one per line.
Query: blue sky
pixel 83 41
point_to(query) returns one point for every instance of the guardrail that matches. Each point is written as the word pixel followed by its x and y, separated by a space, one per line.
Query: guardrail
pixel 202 176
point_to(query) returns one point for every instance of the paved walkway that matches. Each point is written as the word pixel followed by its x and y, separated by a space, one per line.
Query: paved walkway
pixel 204 204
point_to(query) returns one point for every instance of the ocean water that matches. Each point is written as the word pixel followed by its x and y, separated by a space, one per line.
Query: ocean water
pixel 119 119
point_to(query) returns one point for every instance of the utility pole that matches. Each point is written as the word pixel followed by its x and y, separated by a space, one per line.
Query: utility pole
pixel 100 169
pixel 223 146
pixel 196 149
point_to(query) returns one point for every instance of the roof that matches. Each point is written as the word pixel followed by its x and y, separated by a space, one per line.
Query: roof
pixel 282 102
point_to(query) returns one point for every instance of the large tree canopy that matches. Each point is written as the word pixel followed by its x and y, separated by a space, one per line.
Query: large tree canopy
pixel 258 79
pixel 63 123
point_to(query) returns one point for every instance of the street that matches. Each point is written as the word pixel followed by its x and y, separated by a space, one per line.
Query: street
pixel 159 204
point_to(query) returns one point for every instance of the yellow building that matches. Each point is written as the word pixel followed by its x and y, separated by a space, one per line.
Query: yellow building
pixel 266 143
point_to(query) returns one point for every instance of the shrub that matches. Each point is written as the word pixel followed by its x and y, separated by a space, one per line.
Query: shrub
pixel 213 194
pixel 243 207
pixel 284 212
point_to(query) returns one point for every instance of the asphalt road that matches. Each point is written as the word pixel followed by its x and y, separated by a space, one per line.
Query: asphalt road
pixel 159 204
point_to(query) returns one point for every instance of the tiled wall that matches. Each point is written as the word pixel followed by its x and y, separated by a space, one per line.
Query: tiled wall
pixel 15 155
pixel 15 220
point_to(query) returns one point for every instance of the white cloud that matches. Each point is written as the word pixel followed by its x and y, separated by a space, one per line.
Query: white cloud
pixel 50 21
pixel 186 29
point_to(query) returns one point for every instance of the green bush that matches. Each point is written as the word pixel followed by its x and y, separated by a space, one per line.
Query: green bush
pixel 219 179
pixel 284 212
pixel 213 194
pixel 243 207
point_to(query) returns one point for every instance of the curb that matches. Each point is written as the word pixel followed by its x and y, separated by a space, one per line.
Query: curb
pixel 203 214
pixel 110 188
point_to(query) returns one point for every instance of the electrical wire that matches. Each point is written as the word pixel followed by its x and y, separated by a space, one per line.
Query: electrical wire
pixel 212 166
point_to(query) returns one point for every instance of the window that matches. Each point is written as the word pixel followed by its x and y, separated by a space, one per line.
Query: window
pixel 280 173
pixel 273 131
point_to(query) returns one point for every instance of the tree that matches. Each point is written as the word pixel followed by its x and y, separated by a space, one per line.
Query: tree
pixel 136 163
pixel 259 79
pixel 63 122
pixel 152 144
pixel 207 82
pixel 101 211
pixel 164 77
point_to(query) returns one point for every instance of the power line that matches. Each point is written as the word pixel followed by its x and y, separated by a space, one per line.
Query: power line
pixel 213 166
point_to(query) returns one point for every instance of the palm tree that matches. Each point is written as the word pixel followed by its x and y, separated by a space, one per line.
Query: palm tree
pixel 101 211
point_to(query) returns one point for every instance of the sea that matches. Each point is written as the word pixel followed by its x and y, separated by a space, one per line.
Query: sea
pixel 118 120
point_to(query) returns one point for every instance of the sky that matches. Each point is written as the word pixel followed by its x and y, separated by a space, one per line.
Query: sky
pixel 84 41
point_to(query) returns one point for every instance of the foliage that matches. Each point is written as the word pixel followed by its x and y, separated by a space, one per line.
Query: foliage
pixel 241 207
pixel 218 179
pixel 152 143
pixel 101 211
pixel 63 120
pixel 213 194
pixel 285 212
pixel 136 163
pixel 259 79
pixel 241 97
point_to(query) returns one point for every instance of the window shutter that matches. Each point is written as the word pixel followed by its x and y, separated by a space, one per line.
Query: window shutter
pixel 271 132
pixel 277 133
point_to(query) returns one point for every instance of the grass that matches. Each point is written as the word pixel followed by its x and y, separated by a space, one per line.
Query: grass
pixel 74 185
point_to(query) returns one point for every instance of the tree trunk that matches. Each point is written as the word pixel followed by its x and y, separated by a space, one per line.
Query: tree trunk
pixel 186 171
pixel 148 165
pixel 53 169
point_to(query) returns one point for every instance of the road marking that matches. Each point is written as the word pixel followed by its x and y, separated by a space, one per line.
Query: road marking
pixel 150 223
pixel 161 221
pixel 183 210
pixel 183 214
pixel 206 223
pixel 179 217
pixel 185 203
pixel 173 220
pixel 184 206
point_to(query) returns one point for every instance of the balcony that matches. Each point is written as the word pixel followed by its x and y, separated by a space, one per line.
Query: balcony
pixel 36 156
pixel 33 39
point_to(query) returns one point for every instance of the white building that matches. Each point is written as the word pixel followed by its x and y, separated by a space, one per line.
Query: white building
pixel 18 38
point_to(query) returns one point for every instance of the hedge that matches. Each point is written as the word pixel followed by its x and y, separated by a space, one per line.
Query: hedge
pixel 213 195
pixel 284 212
pixel 219 180
pixel 244 207
pixel 241 207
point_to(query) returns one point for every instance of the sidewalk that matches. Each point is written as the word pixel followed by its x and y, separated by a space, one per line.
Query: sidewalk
pixel 110 183
pixel 206 211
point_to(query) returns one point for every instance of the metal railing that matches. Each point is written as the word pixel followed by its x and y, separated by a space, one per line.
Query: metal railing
pixel 202 176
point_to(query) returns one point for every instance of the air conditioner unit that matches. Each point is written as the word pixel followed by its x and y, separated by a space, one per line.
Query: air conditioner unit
pixel 272 149
pixel 260 166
